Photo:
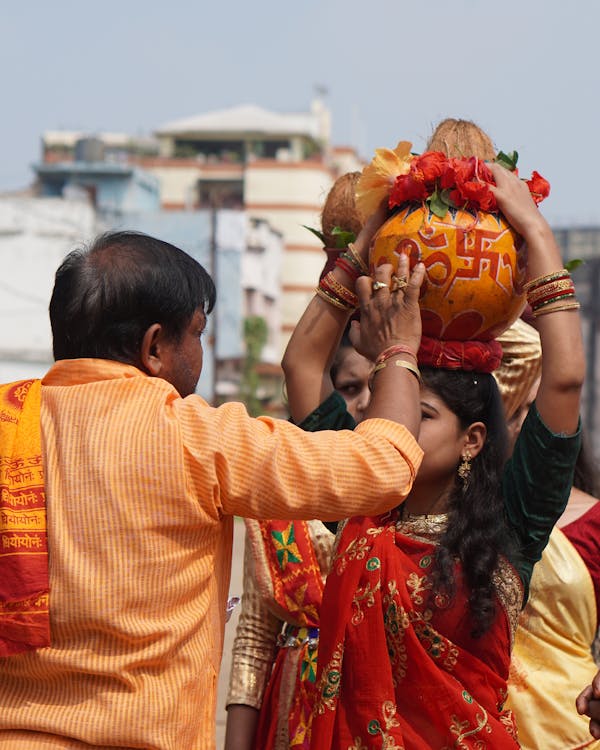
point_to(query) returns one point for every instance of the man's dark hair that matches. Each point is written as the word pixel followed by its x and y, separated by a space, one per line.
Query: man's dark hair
pixel 105 297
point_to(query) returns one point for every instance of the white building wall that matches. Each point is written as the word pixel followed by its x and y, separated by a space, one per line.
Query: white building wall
pixel 178 185
pixel 35 236
pixel 261 273
pixel 301 183
pixel 287 195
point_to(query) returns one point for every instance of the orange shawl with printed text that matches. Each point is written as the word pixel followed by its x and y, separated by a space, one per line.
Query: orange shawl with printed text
pixel 24 586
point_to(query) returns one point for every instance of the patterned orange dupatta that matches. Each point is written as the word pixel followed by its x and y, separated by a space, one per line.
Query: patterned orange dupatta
pixel 24 586
pixel 395 669
pixel 288 572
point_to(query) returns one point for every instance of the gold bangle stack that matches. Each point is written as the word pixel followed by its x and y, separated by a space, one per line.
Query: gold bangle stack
pixel 546 279
pixel 552 292
pixel 540 293
pixel 332 285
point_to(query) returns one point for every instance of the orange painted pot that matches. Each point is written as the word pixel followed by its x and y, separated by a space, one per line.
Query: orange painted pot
pixel 475 269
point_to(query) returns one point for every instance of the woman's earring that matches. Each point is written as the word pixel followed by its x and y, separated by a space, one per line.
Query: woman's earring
pixel 464 470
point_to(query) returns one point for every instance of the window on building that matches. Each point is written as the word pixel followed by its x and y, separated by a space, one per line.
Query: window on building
pixel 232 152
pixel 220 193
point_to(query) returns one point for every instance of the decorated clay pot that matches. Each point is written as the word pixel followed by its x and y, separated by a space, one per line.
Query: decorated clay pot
pixel 475 269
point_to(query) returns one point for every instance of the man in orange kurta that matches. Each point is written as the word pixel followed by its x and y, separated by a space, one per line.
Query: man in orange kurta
pixel 142 480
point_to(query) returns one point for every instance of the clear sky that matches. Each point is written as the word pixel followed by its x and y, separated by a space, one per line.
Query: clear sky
pixel 527 71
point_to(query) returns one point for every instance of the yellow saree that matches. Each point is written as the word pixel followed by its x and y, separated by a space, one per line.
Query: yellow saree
pixel 552 658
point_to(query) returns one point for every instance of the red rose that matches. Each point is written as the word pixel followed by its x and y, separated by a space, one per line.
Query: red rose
pixel 538 187
pixel 407 188
pixel 429 166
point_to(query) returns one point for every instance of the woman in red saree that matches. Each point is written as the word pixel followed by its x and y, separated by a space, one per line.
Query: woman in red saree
pixel 273 671
pixel 420 606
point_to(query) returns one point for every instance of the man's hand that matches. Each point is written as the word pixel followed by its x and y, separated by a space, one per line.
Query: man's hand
pixel 588 703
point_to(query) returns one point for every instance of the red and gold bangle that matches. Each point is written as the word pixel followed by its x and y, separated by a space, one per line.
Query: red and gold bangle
pixel 546 290
pixel 555 297
pixel 353 252
pixel 556 284
pixel 545 279
pixel 564 299
pixel 347 256
pixel 335 301
pixel 330 284
pixel 393 350
pixel 348 267
pixel 552 298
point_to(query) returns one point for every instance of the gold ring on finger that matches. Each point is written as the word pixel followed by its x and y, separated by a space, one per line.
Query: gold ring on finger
pixel 399 283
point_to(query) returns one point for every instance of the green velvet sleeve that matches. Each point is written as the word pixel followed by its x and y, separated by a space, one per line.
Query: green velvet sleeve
pixel 330 415
pixel 536 485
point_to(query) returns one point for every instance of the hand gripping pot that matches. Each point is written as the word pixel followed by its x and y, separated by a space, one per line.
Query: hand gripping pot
pixel 475 269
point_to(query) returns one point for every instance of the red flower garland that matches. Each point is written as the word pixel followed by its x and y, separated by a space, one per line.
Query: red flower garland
pixel 453 183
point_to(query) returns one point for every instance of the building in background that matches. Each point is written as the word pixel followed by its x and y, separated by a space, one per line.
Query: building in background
pixel 111 184
pixel 35 235
pixel 90 195
pixel 583 244
pixel 278 167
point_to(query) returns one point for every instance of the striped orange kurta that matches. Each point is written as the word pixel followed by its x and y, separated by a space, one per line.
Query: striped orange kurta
pixel 141 488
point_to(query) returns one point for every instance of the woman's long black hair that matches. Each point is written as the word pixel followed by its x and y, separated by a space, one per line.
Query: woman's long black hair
pixel 477 532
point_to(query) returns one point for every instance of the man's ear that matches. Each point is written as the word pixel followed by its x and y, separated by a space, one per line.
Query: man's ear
pixel 150 350
pixel 475 437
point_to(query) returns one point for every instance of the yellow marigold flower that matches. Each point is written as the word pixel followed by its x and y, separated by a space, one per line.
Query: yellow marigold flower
pixel 377 179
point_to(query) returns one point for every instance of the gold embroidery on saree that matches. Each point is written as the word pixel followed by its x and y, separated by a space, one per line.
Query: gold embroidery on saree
pixel 363 596
pixel 461 730
pixel 390 720
pixel 509 589
pixel 358 548
pixel 418 585
pixel 329 685
pixel 396 622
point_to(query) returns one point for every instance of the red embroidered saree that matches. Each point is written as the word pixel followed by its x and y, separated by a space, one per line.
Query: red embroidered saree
pixel 396 671
pixel 288 572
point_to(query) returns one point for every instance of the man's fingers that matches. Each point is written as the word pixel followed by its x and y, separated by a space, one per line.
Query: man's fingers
pixel 596 686
pixel 582 701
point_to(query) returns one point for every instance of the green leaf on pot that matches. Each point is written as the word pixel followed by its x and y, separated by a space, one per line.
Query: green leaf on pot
pixel 571 265
pixel 445 193
pixel 508 161
pixel 316 232
pixel 438 203
pixel 342 237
